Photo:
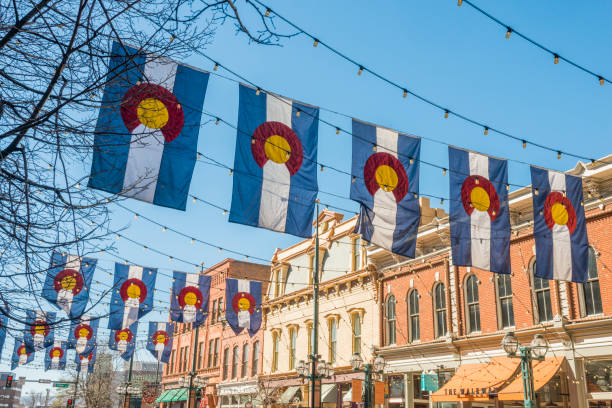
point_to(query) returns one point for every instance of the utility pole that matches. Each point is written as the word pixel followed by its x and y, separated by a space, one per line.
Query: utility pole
pixel 193 367
pixel 315 326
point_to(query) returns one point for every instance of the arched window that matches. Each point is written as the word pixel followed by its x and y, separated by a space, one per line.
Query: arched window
pixel 590 290
pixel 255 363
pixel 541 294
pixel 245 360
pixel 275 346
pixel 440 310
pixel 414 328
pixel 225 363
pixel 505 308
pixel 472 307
pixel 235 362
pixel 390 332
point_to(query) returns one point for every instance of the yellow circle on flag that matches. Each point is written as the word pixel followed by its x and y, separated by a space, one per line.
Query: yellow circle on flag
pixel 40 329
pixel 83 332
pixel 56 353
pixel 559 214
pixel 133 291
pixel 22 350
pixel 152 113
pixel 386 177
pixel 161 338
pixel 244 304
pixel 191 299
pixel 480 199
pixel 68 282
pixel 123 335
pixel 277 149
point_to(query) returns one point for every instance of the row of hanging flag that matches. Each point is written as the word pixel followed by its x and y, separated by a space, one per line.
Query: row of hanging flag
pixel 67 287
pixel 146 146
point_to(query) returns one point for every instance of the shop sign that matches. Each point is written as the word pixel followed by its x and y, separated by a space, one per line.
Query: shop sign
pixel 239 389
pixel 429 382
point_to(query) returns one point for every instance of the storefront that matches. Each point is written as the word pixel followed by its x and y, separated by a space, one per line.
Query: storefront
pixel 237 395
pixel 598 376
pixel 173 398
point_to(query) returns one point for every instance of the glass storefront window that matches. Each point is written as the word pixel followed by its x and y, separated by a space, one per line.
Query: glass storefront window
pixel 598 375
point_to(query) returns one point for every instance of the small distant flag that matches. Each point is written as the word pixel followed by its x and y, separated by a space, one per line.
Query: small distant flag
pixel 124 341
pixel 385 171
pixel 39 329
pixel 479 213
pixel 22 354
pixel 82 335
pixel 562 246
pixel 189 299
pixel 132 295
pixel 275 178
pixel 159 342
pixel 86 362
pixel 147 131
pixel 243 305
pixel 55 356
pixel 68 281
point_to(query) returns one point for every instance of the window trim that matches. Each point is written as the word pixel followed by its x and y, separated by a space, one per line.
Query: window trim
pixel 293 333
pixel 466 305
pixel 498 302
pixel 388 341
pixel 255 359
pixel 225 362
pixel 356 263
pixel 332 349
pixel 411 314
pixel 235 362
pixel 435 309
pixel 244 366
pixel 356 313
pixel 275 347
pixel 534 296
pixel 581 287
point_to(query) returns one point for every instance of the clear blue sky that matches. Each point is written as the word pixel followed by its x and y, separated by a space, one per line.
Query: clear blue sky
pixel 450 54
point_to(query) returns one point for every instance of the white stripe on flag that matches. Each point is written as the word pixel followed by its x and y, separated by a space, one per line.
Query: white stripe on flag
pixel 276 180
pixel 64 297
pixel 189 311
pixel 244 317
pixel 147 145
pixel 561 241
pixel 480 222
pixel 130 314
pixel 385 206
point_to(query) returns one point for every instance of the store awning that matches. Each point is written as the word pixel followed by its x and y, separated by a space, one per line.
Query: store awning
pixel 181 394
pixel 288 395
pixel 166 396
pixel 543 372
pixel 329 393
pixel 475 382
pixel 348 396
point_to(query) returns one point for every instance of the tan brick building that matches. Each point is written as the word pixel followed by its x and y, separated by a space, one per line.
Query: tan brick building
pixel 440 317
pixel 227 360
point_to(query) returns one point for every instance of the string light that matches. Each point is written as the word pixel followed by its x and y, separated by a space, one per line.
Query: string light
pixel 416 195
pixel 559 155
pixel 216 67
pixel 411 160
pixel 118 236
pixel 556 59
pixel 135 216
pixel 459 3
pixel 507 187
pixel 268 12
pixel 164 229
pixel 217 121
pixel 144 249
pixel 297 113
pixel 199 155
pixel 231 172
pixel 524 144
pixel 601 81
pixel 316 42
pixel 353 179
pixel 405 93
pixel 360 70
pixel 192 240
pixel 441 201
pixel 195 200
pixel 258 91
pixel 322 167
pixel 486 130
pixel 536 191
pixel 337 130
pixel 508 32
pixel 224 212
pixel 446 114
pixel 220 249
pixel 374 148
pixel 444 172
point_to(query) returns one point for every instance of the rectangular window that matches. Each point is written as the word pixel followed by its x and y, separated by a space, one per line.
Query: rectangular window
pixel 186 359
pixel 171 366
pixel 310 339
pixel 275 346
pixel 200 354
pixel 356 254
pixel 219 309
pixel 245 361
pixel 356 327
pixel 216 356
pixel 210 353
pixel 277 283
pixel 213 312
pixel 235 362
pixel 333 332
pixel 255 364
pixel 180 360
pixel 225 363
pixel 504 295
pixel 292 347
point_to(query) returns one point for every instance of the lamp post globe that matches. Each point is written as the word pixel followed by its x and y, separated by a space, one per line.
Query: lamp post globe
pixel 120 389
pixel 539 346
pixel 301 368
pixel 510 343
pixel 356 361
pixel 321 367
pixel 379 363
pixel 330 370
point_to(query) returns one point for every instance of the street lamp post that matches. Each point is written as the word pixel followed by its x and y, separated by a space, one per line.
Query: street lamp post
pixel 315 370
pixel 195 383
pixel 369 369
pixel 536 350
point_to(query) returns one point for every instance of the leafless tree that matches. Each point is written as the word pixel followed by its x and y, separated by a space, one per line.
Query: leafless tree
pixel 34 399
pixel 54 58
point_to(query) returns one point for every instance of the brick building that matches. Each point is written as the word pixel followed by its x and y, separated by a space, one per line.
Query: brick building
pixel 216 357
pixel 443 318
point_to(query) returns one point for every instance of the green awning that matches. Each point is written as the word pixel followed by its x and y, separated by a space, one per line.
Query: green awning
pixel 181 394
pixel 166 396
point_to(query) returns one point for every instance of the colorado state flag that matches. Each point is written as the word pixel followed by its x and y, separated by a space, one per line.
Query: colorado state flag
pixel 22 354
pixel 243 305
pixel 68 281
pixel 132 295
pixel 275 178
pixel 386 178
pixel 55 356
pixel 124 340
pixel 479 213
pixel 159 342
pixel 189 298
pixel 562 247
pixel 82 334
pixel 39 329
pixel 85 362
pixel 147 130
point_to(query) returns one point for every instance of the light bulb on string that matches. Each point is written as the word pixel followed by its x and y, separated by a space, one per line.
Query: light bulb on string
pixel 411 160
pixel 354 179
pixel 195 199
pixel 220 250
pixel 199 155
pixel 297 113
pixel 601 81
pixel 374 148
pixel 360 70
pixel 558 155
pixel 315 43
pixel 444 172
pixel 216 67
pixel 192 240
pixel 224 212
pixel 486 130
pixel 135 216
pixel 217 121
pixel 508 32
pixel 556 59
pixel 268 11
pixel 524 144
pixel 258 91
pixel 322 167
pixel 405 93
pixel 231 172
pixel 459 3
pixel 446 114
pixel 163 229
pixel 337 131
